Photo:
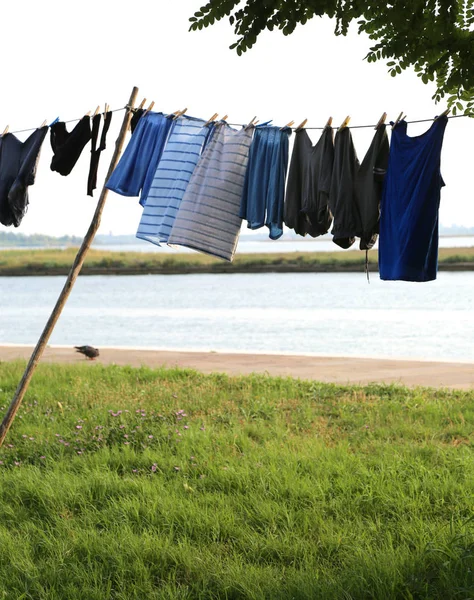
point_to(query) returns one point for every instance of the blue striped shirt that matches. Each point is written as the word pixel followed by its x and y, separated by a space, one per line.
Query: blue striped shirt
pixel 172 176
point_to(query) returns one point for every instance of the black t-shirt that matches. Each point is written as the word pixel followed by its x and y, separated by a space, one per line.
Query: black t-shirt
pixel 342 197
pixel 309 179
pixel 369 187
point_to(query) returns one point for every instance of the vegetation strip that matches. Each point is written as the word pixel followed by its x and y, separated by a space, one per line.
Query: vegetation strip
pixel 136 483
pixel 99 262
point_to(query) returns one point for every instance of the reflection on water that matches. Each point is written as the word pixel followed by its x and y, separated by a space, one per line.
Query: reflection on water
pixel 321 313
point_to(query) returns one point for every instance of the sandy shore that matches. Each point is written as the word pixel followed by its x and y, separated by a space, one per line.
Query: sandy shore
pixel 327 369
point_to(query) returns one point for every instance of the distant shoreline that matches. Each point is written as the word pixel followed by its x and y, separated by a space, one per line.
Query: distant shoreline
pixel 18 263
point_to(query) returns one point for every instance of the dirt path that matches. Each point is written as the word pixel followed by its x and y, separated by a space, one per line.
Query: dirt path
pixel 327 369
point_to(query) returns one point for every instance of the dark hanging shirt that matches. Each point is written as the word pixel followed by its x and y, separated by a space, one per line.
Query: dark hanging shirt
pixel 68 146
pixel 18 161
pixel 369 186
pixel 309 179
pixel 96 152
pixel 408 245
pixel 342 197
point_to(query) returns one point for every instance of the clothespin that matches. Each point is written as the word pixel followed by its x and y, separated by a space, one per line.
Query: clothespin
pixel 301 125
pixel 54 122
pixel 344 123
pixel 212 119
pixel 444 114
pixel 106 108
pixel 287 125
pixel 96 111
pixel 88 113
pixel 400 116
pixel 252 122
pixel 179 113
pixel 152 104
pixel 381 120
pixel 329 123
pixel 142 103
pixel 43 124
pixel 224 117
pixel 5 131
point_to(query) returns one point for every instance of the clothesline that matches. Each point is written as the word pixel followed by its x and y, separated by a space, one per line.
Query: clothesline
pixel 244 124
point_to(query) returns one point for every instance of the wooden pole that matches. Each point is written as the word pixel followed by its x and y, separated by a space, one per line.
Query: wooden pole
pixel 71 278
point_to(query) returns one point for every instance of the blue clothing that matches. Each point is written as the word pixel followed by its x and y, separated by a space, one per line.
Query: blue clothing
pixel 264 188
pixel 181 153
pixel 408 246
pixel 137 167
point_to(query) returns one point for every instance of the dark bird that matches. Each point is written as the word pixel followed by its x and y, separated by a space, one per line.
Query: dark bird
pixel 88 351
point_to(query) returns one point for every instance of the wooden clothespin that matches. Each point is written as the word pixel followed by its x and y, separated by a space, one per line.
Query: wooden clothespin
pixel 251 123
pixel 106 108
pixel 399 118
pixel 287 125
pixel 152 104
pixel 301 125
pixel 179 113
pixel 96 112
pixel 212 119
pixel 225 117
pixel 142 103
pixel 43 124
pixel 88 113
pixel 345 123
pixel 444 114
pixel 381 120
pixel 5 131
pixel 329 123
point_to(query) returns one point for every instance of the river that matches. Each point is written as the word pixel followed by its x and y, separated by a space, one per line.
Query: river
pixel 307 313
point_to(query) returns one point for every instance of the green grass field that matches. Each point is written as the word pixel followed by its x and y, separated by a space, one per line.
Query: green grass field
pixel 121 483
pixel 58 262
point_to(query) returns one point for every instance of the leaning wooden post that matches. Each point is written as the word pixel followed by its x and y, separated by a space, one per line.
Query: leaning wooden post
pixel 71 278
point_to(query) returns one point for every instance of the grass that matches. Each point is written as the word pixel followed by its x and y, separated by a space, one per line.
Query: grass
pixel 58 262
pixel 121 483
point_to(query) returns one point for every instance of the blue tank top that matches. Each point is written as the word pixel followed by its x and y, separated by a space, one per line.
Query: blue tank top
pixel 408 245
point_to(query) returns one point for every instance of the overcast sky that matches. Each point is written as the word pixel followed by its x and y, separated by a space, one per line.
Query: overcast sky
pixel 59 61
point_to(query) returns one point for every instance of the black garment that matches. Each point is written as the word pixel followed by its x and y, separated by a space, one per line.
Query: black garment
pixel 309 179
pixel 18 162
pixel 137 115
pixel 342 197
pixel 369 186
pixel 67 146
pixel 95 152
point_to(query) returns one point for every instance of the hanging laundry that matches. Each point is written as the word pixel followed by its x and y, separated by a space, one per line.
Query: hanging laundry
pixel 369 187
pixel 18 162
pixel 137 115
pixel 408 245
pixel 264 188
pixel 208 217
pixel 182 151
pixel 309 182
pixel 68 146
pixel 342 196
pixel 96 152
pixel 137 167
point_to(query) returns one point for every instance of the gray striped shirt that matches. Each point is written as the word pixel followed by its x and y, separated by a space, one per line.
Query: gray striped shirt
pixel 208 217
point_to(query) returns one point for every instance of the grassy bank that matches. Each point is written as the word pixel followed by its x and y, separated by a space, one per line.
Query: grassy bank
pixel 99 262
pixel 122 483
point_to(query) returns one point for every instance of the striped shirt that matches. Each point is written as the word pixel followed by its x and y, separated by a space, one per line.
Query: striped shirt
pixel 172 176
pixel 208 218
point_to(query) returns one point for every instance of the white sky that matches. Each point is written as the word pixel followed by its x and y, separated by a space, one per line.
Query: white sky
pixel 59 61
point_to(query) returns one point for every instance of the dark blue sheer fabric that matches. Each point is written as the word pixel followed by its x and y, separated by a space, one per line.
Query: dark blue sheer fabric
pixel 137 167
pixel 264 187
pixel 408 244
